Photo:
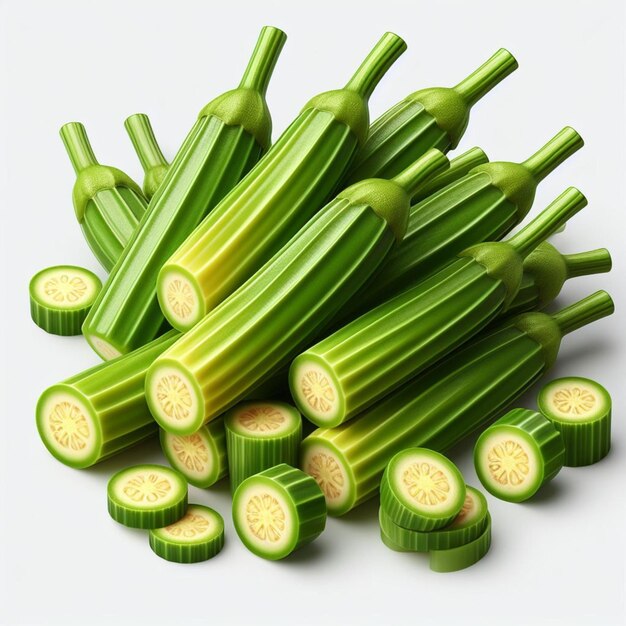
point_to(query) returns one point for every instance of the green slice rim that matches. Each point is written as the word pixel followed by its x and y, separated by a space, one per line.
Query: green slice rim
pixel 197 536
pixel 580 409
pixel 422 490
pixel 147 496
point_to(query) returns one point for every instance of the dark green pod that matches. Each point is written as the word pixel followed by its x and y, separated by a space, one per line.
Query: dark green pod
pixel 429 118
pixel 107 202
pixel 458 396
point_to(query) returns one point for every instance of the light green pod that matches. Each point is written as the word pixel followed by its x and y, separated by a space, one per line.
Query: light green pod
pixel 261 327
pixel 229 137
pixel 281 194
pixel 429 118
pixel 101 411
pixel 545 273
pixel 518 454
pixel 107 202
pixel 348 371
pixel 278 511
pixel 61 296
pixel 580 409
pixel 482 206
pixel 458 396
pixel 459 167
pixel 150 156
pixel 260 435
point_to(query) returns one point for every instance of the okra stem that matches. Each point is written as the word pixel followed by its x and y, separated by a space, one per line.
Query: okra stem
pixel 141 134
pixel 414 176
pixel 77 145
pixel 550 156
pixel 548 221
pixel 589 309
pixel 590 262
pixel 376 64
pixel 261 65
pixel 487 76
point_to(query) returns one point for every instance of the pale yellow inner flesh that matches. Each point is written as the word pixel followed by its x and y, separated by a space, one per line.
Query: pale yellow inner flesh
pixel 174 397
pixel 194 526
pixel 69 426
pixel 180 298
pixel 64 288
pixel 426 484
pixel 145 488
pixel 576 401
pixel 265 517
pixel 104 348
pixel 328 474
pixel 508 463
pixel 191 453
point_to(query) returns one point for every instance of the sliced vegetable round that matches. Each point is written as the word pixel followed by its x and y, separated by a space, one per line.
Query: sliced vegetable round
pixel 197 536
pixel 421 490
pixel 200 457
pixel 466 526
pixel 455 559
pixel 147 496
pixel 580 410
pixel 518 454
pixel 260 435
pixel 388 541
pixel 277 511
pixel 61 296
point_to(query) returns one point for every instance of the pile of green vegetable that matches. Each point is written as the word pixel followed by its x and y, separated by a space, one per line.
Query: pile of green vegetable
pixel 347 268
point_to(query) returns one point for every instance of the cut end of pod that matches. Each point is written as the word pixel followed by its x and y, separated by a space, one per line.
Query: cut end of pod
pixel 68 427
pixel 103 348
pixel 61 297
pixel 316 391
pixel 180 297
pixel 147 496
pixel 320 460
pixel 174 398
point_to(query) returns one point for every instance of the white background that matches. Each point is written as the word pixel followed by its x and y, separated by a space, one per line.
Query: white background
pixel 556 560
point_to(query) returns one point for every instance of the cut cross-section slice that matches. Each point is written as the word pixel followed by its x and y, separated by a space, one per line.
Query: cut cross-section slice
pixel 197 536
pixel 580 410
pixel 468 525
pixel 454 559
pixel 61 296
pixel 518 454
pixel 260 435
pixel 277 511
pixel 147 496
pixel 201 457
pixel 422 490
pixel 315 388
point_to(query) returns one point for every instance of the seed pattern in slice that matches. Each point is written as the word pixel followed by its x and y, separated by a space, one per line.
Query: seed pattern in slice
pixel 260 435
pixel 461 557
pixel 200 457
pixel 422 490
pixel 197 536
pixel 519 453
pixel 61 296
pixel 147 496
pixel 580 410
pixel 180 299
pixel 277 511
pixel 466 526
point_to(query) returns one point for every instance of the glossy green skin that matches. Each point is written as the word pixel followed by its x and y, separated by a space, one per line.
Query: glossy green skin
pixel 379 351
pixel 127 313
pixel 461 557
pixel 270 319
pixel 442 406
pixel 586 441
pixel 249 454
pixel 306 498
pixel 113 391
pixel 110 218
pixel 541 434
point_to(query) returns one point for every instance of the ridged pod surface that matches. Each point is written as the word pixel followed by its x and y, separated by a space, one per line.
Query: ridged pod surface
pixel 108 204
pixel 101 411
pixel 266 322
pixel 362 362
pixel 226 141
pixel 150 156
pixel 481 206
pixel 545 273
pixel 277 198
pixel 430 118
pixel 278 511
pixel 460 395
pixel 518 454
